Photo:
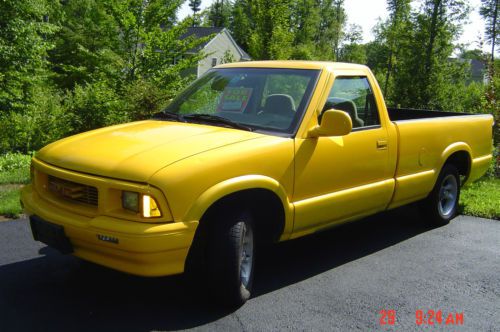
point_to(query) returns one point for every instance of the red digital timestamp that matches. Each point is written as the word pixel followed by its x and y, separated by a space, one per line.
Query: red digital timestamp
pixel 429 317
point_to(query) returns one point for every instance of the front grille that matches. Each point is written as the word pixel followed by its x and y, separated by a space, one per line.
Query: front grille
pixel 73 191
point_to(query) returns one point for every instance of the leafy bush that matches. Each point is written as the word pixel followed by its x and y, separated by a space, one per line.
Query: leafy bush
pixel 143 99
pixel 42 121
pixel 14 168
pixel 12 161
pixel 95 105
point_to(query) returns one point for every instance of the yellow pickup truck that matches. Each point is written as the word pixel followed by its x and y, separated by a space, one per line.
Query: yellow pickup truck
pixel 250 153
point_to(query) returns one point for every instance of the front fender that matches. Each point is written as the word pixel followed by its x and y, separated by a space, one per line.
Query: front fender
pixel 230 186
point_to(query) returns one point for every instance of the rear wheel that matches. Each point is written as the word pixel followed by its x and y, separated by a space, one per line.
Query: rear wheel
pixel 231 258
pixel 442 203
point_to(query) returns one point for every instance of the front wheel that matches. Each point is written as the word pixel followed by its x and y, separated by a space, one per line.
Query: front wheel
pixel 442 203
pixel 231 258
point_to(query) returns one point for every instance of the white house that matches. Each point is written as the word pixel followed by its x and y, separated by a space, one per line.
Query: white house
pixel 219 48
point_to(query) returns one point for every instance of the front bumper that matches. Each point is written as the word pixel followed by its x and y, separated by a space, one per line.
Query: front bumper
pixel 146 249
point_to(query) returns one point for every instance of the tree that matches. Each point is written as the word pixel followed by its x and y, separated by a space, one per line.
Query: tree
pixel 25 38
pixel 425 76
pixel 396 33
pixel 150 43
pixel 263 27
pixel 340 19
pixel 304 25
pixel 219 13
pixel 489 11
pixel 195 7
pixel 241 22
pixel 330 30
pixel 352 50
pixel 87 44
pixel 113 55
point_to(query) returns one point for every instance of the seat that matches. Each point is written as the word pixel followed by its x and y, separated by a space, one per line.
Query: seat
pixel 279 104
pixel 345 105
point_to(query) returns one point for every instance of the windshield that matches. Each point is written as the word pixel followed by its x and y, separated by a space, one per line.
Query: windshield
pixel 265 99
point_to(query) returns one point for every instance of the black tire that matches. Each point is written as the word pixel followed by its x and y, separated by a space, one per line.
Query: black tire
pixel 231 258
pixel 442 203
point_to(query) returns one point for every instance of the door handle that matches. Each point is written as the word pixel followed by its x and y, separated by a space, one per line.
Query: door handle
pixel 382 144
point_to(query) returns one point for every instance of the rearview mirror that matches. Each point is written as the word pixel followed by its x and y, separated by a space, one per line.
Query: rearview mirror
pixel 333 123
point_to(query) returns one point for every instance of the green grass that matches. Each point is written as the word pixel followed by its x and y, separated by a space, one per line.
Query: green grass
pixel 482 199
pixel 20 176
pixel 9 201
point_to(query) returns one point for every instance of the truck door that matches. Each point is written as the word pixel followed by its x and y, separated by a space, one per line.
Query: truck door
pixel 341 178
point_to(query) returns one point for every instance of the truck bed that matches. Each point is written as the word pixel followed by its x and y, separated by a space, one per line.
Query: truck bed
pixel 425 141
pixel 399 114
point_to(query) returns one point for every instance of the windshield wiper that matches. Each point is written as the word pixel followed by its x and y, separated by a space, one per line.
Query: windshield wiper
pixel 169 115
pixel 216 120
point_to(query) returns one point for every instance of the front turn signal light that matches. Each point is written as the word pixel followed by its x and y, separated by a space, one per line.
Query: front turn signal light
pixel 150 207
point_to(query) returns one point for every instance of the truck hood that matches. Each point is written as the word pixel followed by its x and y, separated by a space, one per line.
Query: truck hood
pixel 137 150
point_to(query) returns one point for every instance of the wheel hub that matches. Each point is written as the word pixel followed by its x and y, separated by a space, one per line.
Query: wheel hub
pixel 448 195
pixel 246 258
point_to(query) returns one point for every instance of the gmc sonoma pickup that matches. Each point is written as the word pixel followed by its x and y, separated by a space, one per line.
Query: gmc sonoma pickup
pixel 250 153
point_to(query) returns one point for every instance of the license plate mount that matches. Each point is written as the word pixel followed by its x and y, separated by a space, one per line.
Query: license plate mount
pixel 51 234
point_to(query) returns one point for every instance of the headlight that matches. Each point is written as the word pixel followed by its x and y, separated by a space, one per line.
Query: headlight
pixel 130 201
pixel 143 203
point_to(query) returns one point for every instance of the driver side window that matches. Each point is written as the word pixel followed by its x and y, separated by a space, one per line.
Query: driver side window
pixel 354 96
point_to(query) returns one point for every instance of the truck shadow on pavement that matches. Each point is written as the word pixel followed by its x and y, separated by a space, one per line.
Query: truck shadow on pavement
pixel 56 292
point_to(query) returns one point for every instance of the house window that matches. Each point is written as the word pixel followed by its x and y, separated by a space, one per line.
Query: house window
pixel 214 62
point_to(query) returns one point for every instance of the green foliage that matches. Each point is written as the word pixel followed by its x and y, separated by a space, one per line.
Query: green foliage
pixel 352 50
pixel 195 7
pixel 24 42
pixel 413 49
pixel 270 36
pixel 143 99
pixel 42 121
pixel 489 12
pixel 11 161
pixel 219 13
pixel 228 57
pixel 87 45
pixel 294 29
pixel 14 168
pixel 481 199
pixel 435 29
pixel 95 105
pixel 96 63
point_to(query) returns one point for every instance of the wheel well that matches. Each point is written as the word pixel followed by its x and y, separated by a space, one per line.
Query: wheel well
pixel 461 160
pixel 265 207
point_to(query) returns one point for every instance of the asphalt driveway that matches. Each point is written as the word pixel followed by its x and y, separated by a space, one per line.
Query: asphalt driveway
pixel 349 278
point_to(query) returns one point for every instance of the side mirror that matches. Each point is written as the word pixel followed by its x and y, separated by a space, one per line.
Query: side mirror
pixel 333 123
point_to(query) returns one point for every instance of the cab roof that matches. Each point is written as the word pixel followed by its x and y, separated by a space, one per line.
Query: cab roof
pixel 294 64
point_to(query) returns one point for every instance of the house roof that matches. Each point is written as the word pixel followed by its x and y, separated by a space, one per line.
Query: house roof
pixel 202 32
